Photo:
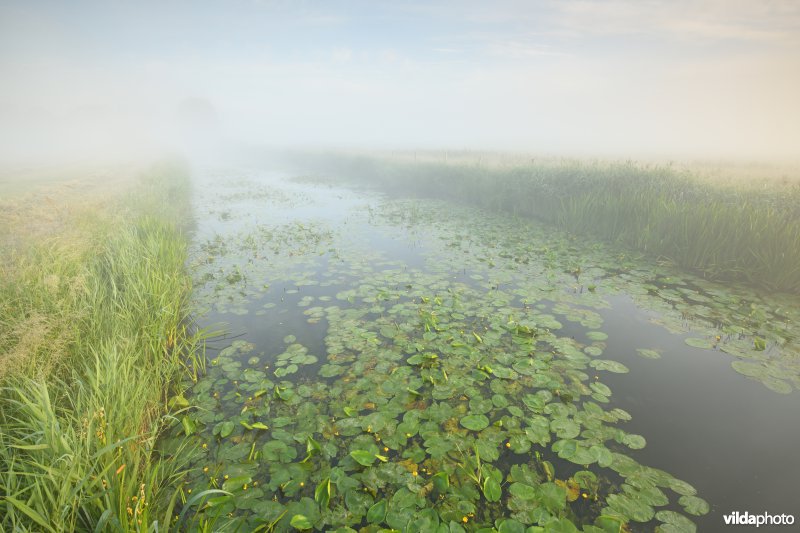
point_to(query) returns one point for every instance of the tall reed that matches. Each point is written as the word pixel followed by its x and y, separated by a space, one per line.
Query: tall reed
pixel 724 232
pixel 96 338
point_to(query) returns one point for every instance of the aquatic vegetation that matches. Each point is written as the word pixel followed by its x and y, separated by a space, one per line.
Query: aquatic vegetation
pixel 725 232
pixel 465 392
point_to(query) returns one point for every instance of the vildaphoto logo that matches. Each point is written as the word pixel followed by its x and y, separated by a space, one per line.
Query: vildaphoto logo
pixel 764 519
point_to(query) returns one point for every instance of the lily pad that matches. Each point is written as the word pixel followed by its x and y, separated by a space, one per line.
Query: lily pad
pixel 699 343
pixel 364 458
pixel 597 335
pixel 276 450
pixel 475 422
pixel 694 505
pixel 634 442
pixel 673 522
pixel 611 366
pixel 301 523
pixel 648 353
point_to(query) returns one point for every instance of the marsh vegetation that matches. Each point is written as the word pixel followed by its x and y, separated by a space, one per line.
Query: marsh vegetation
pixel 95 341
pixel 481 349
pixel 419 364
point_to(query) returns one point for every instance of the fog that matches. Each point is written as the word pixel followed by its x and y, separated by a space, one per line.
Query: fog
pixel 91 80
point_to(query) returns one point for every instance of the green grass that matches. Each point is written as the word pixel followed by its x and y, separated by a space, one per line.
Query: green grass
pixel 94 341
pixel 738 232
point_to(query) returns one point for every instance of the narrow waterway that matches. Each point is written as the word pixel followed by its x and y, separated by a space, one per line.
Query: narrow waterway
pixel 318 286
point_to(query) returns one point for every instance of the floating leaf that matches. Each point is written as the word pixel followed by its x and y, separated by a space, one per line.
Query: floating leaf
pixel 634 509
pixel 611 366
pixel 648 353
pixel 362 457
pixel 276 450
pixel 681 487
pixel 694 505
pixel 673 522
pixel 509 525
pixel 441 482
pixel 491 490
pixel 225 428
pixel 565 428
pixel 377 513
pixel 634 442
pixel 301 523
pixel 777 385
pixel 560 525
pixel 699 343
pixel 596 335
pixel 475 422
pixel 235 484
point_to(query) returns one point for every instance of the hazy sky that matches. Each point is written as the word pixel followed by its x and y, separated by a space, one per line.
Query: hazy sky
pixel 626 78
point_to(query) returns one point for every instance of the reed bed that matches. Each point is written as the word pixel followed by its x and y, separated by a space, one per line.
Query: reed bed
pixel 741 231
pixel 94 341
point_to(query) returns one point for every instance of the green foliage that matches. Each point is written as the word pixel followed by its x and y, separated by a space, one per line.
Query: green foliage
pixel 725 232
pixel 78 424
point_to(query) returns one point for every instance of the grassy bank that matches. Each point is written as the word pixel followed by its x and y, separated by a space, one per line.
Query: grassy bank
pixel 736 231
pixel 93 339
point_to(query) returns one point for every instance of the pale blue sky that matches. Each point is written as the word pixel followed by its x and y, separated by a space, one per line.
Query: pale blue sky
pixel 613 77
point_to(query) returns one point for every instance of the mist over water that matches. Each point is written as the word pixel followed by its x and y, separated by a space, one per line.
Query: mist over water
pixel 449 265
pixel 93 80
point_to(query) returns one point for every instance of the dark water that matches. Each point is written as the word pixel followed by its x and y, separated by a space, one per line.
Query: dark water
pixel 732 438
pixel 736 440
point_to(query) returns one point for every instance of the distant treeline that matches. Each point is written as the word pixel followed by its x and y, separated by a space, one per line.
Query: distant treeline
pixel 726 232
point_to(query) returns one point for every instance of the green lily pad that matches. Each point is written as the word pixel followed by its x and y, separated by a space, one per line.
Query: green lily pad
pixel 301 523
pixel 673 522
pixel 565 428
pixel 777 385
pixel 276 450
pixel 560 525
pixel 475 422
pixel 648 353
pixel 633 509
pixel 681 487
pixel 377 513
pixel 699 343
pixel 611 366
pixel 596 335
pixel 364 458
pixel 634 442
pixel 694 505
pixel 491 490
pixel 224 429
